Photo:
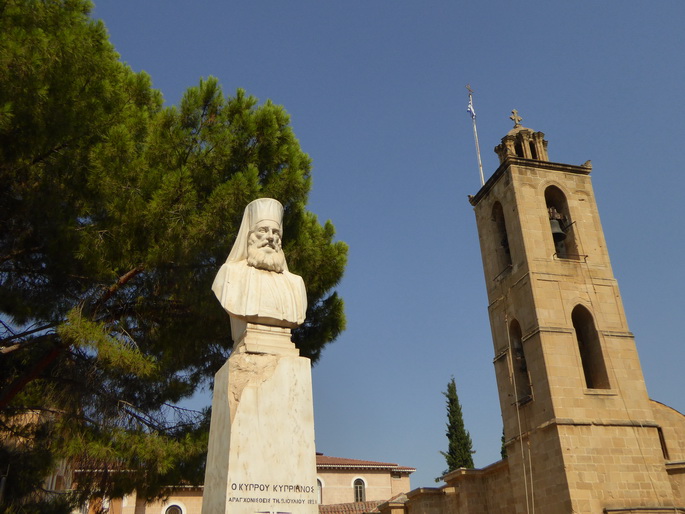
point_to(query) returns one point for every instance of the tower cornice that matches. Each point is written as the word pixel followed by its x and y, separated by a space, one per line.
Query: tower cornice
pixel 584 169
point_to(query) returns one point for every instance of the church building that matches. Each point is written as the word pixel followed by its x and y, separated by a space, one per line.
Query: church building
pixel 580 431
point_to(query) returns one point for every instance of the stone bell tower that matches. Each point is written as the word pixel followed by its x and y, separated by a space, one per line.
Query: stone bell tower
pixel 579 428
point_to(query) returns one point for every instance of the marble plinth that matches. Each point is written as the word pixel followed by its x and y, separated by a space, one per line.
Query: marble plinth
pixel 262 457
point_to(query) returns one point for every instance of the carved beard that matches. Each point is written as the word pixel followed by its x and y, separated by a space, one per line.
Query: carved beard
pixel 258 258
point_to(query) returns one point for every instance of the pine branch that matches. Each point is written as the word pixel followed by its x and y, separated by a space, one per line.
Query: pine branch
pixel 123 279
pixel 19 384
pixel 8 349
pixel 17 253
pixel 45 155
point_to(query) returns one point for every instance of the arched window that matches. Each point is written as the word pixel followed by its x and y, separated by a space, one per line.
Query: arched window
pixel 359 490
pixel 319 492
pixel 518 362
pixel 519 148
pixel 591 357
pixel 175 507
pixel 561 225
pixel 501 239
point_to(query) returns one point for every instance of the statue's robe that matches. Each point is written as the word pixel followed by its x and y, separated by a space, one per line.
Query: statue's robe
pixel 257 295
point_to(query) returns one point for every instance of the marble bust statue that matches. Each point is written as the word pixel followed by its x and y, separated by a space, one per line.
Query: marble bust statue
pixel 254 284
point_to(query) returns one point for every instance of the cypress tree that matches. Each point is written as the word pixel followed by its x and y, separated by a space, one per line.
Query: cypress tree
pixel 459 452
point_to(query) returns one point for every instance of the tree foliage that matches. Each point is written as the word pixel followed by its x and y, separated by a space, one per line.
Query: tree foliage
pixel 459 452
pixel 115 215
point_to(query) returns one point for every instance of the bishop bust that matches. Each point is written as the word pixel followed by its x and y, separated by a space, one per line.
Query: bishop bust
pixel 254 285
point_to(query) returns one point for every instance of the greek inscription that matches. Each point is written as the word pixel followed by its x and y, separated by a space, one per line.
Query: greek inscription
pixel 290 501
pixel 276 488
pixel 250 487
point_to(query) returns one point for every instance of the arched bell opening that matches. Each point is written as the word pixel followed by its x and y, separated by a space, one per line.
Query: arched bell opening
pixel 562 227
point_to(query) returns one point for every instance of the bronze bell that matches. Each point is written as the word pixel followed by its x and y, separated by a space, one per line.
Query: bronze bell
pixel 557 232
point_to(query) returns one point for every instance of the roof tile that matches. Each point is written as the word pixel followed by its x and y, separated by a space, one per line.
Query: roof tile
pixel 324 461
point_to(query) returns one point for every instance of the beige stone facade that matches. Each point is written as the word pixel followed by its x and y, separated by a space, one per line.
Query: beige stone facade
pixel 375 481
pixel 341 481
pixel 183 501
pixel 581 434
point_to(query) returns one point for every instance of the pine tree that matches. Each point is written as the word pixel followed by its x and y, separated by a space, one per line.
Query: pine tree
pixel 115 214
pixel 459 451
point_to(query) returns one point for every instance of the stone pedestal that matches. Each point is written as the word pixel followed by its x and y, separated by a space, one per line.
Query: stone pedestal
pixel 262 457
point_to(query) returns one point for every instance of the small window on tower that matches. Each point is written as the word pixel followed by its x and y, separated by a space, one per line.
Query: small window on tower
pixel 519 149
pixel 502 251
pixel 590 349
pixel 521 379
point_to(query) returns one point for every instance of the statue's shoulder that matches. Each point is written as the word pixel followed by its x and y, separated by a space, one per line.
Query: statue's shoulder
pixel 296 281
pixel 234 269
pixel 293 277
pixel 229 273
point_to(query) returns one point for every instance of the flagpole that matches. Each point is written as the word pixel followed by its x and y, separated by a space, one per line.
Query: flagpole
pixel 471 111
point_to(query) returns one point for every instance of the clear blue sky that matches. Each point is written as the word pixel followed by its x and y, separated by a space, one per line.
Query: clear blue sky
pixel 375 89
